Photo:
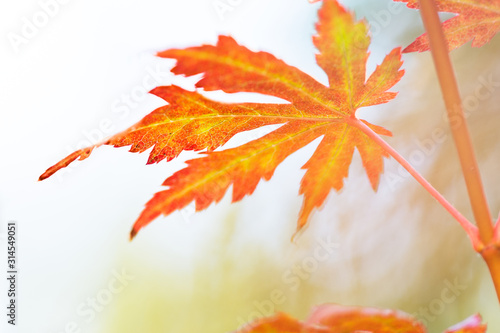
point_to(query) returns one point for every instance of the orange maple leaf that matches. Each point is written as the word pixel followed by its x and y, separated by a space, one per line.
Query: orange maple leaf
pixel 336 318
pixel 280 322
pixel 190 121
pixel 352 319
pixel 477 20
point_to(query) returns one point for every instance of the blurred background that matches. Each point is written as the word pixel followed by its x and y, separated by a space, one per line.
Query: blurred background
pixel 74 72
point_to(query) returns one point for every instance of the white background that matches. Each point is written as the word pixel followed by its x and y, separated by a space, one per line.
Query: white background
pixel 58 87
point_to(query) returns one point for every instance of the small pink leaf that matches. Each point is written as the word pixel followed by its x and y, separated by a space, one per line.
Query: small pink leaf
pixel 473 324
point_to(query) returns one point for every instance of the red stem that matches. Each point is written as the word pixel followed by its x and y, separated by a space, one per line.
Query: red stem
pixel 469 228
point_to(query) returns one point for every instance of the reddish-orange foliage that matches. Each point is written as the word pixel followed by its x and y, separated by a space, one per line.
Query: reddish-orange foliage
pixel 193 122
pixel 347 319
pixel 477 20
pixel 342 319
pixel 280 322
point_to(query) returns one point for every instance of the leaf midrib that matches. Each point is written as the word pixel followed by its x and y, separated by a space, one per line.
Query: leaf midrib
pixel 215 114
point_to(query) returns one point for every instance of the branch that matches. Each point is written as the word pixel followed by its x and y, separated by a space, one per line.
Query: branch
pixel 461 136
pixel 453 102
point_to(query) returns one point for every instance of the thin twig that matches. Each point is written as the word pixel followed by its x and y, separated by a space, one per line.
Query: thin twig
pixel 469 228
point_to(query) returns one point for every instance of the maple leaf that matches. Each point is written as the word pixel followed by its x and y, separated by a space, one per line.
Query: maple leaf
pixel 336 318
pixel 280 322
pixel 191 121
pixel 351 319
pixel 477 20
